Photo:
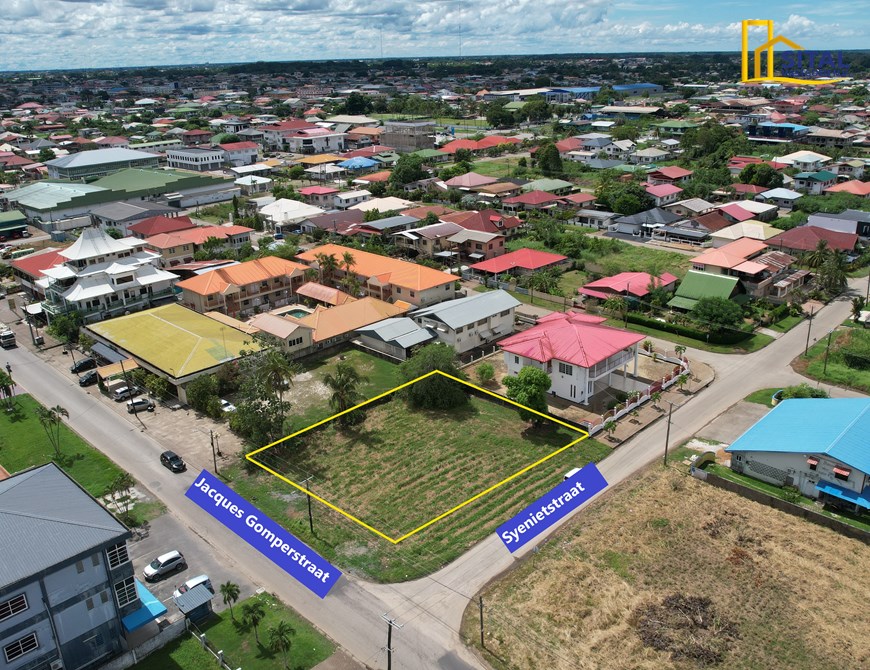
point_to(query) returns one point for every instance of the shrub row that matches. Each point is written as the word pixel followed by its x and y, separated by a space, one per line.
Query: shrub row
pixel 714 337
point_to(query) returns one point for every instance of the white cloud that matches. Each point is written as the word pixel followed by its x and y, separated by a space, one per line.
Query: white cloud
pixel 92 33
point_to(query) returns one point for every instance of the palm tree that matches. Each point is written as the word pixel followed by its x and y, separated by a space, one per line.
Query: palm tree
pixel 610 428
pixel 857 306
pixel 679 350
pixel 832 274
pixel 348 261
pixel 655 397
pixel 328 264
pixel 682 380
pixel 344 385
pixel 252 614
pixel 818 256
pixel 616 304
pixel 50 417
pixel 280 638
pixel 230 594
pixel 276 373
pixel 7 387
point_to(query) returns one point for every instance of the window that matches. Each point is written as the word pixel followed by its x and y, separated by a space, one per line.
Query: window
pixel 125 592
pixel 813 462
pixel 95 560
pixel 504 313
pixel 104 597
pixel 566 369
pixel 80 567
pixel 90 604
pixel 842 473
pixel 412 294
pixel 398 290
pixel 20 647
pixel 117 555
pixel 516 359
pixel 482 322
pixel 13 606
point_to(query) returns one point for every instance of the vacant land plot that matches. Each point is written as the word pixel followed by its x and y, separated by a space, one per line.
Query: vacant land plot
pixel 401 468
pixel 670 573
pixel 24 443
pixel 501 167
pixel 848 363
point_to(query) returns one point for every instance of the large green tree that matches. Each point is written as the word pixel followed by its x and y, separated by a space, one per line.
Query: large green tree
pixel 529 388
pixel 623 197
pixel 344 385
pixel 408 168
pixel 717 313
pixel 548 159
pixel 436 391
pixel 760 174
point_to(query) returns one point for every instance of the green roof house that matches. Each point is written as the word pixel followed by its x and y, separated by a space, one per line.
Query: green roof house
pixel 697 285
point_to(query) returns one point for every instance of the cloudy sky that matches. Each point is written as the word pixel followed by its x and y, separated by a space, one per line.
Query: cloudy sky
pixel 51 34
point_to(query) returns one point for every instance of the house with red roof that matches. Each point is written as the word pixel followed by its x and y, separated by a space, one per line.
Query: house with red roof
pixel 579 353
pixel 470 180
pixel 519 262
pixel 530 200
pixel 854 186
pixel 748 190
pixel 734 212
pixel 803 239
pixel 576 200
pixel 320 196
pixel 197 137
pixel 180 246
pixel 670 174
pixel 155 225
pixel 628 284
pixel 29 269
pixel 113 142
pixel 240 153
pixel 663 194
pixel 486 221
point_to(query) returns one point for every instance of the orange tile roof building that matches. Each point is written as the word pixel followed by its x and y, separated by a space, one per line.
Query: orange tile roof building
pixel 244 289
pixel 388 279
pixel 337 324
pixel 179 246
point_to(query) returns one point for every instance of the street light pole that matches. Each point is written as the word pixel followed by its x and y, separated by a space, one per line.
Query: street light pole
pixel 213 455
pixel 809 328
pixel 827 349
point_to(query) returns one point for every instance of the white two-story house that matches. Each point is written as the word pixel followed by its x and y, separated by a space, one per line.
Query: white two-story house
pixel 577 351
pixel 470 322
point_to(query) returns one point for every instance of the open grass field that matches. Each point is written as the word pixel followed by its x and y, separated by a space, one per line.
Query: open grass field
pixel 310 396
pixel 24 443
pixel 636 258
pixel 239 644
pixel 501 167
pixel 752 343
pixel 837 372
pixel 399 469
pixel 608 581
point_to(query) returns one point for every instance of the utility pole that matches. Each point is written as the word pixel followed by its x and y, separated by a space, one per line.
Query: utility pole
pixel 130 388
pixel 391 623
pixel 307 482
pixel 668 432
pixel 213 455
pixel 809 328
pixel 480 604
pixel 827 349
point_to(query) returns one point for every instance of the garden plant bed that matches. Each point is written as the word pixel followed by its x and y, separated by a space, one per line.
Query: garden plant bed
pixel 584 600
pixel 838 372
pixel 401 468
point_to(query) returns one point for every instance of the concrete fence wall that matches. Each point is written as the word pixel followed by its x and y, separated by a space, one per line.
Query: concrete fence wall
pixel 164 637
pixel 788 508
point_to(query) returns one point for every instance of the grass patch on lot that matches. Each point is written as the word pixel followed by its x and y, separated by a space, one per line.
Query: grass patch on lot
pixel 761 397
pixel 635 258
pixel 401 468
pixel 752 343
pixel 534 299
pixel 501 167
pixel 570 281
pixel 219 213
pixel 661 534
pixel 24 443
pixel 310 397
pixel 239 643
pixel 837 372
pixel 786 324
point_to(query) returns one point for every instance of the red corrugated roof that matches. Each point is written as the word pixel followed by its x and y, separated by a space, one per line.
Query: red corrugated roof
pixel 662 190
pixel 807 238
pixel 636 283
pixel 154 225
pixel 527 259
pixel 578 339
pixel 531 198
pixel 236 146
pixel 34 264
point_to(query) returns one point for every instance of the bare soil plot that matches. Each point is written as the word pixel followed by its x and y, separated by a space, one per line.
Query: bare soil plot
pixel 667 572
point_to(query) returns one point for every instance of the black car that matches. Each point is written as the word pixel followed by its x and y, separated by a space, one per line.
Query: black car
pixel 172 461
pixel 83 365
pixel 89 378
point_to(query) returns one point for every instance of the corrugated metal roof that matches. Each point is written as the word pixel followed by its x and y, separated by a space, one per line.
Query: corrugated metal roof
pixel 796 426
pixel 46 519
pixel 99 157
pixel 697 285
pixel 464 311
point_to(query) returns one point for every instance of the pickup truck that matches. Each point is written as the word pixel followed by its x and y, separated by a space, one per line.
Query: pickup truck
pixel 7 337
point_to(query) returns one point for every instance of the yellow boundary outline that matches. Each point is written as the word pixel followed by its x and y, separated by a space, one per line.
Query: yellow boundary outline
pixel 350 516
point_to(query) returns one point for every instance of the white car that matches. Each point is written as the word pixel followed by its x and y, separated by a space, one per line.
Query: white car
pixel 192 583
pixel 227 406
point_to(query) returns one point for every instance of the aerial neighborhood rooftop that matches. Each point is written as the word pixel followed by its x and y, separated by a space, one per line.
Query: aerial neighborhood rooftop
pixel 382 306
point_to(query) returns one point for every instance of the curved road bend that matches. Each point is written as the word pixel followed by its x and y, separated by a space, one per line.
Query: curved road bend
pixel 430 608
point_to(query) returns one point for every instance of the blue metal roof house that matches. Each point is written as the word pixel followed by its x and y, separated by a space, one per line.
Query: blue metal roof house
pixel 819 445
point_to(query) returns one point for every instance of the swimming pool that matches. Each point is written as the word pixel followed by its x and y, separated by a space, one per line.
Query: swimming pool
pixel 298 313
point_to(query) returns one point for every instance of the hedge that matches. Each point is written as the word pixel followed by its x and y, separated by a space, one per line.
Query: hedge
pixel 717 337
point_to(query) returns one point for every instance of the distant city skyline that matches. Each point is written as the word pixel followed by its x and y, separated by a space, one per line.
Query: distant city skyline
pixel 66 34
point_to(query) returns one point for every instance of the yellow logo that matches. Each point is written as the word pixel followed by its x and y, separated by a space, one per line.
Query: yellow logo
pixel 796 62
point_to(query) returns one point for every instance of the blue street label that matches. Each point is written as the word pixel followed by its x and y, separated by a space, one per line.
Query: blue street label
pixel 263 534
pixel 549 509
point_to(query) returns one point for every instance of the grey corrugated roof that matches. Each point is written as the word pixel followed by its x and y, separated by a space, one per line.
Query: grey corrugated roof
pixel 400 330
pixel 461 312
pixel 391 222
pixel 46 519
pixel 121 211
pixel 98 157
pixel 190 600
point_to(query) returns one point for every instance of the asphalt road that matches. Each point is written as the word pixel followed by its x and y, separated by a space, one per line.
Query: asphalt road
pixel 429 609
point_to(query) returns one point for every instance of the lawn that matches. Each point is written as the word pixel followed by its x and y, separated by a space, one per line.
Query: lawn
pixel 534 299
pixel 611 574
pixel 752 343
pixel 401 468
pixel 570 281
pixel 500 167
pixel 239 644
pixel 310 397
pixel 636 258
pixel 24 443
pixel 219 213
pixel 786 324
pixel 837 372
pixel 761 397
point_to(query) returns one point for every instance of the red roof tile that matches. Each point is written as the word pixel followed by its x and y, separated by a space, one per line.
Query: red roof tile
pixel 527 259
pixel 807 238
